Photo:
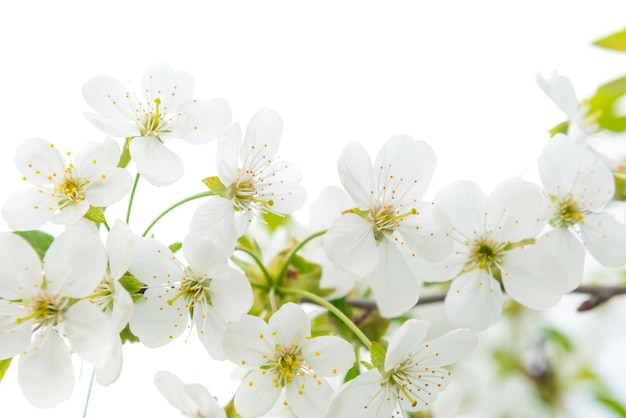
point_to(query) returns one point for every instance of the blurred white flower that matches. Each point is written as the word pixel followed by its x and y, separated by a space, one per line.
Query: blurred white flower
pixel 191 399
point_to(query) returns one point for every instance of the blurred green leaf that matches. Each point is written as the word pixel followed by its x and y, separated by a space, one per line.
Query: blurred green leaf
pixel 615 41
pixel 40 241
pixel 561 128
pixel 131 284
pixel 559 338
pixel 95 215
pixel 378 357
pixel 175 246
pixel 611 404
pixel 620 189
pixel 274 221
pixel 216 186
pixel 602 105
pixel 4 365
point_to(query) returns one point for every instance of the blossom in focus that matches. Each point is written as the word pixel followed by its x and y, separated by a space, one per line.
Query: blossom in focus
pixel 389 224
pixel 281 355
pixel 191 399
pixel 208 288
pixel 494 248
pixel 411 378
pixel 45 316
pixel 163 110
pixel 261 183
pixel 64 192
pixel 579 186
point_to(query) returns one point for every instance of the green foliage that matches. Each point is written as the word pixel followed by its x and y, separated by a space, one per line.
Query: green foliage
pixel 127 336
pixel 131 284
pixel 274 221
pixel 40 241
pixel 4 366
pixel 620 189
pixel 175 247
pixel 561 128
pixel 378 357
pixel 602 105
pixel 125 156
pixel 216 186
pixel 559 338
pixel 95 215
pixel 615 41
pixel 611 403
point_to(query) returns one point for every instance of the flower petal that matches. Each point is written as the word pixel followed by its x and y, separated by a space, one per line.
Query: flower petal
pixel 465 203
pixel 328 355
pixel 20 267
pixel 206 120
pixel 172 389
pixel 447 349
pixel 308 397
pixel 356 174
pixel 328 206
pixel 405 341
pixel 75 264
pixel 561 91
pixel 110 99
pixel 159 165
pixel 231 296
pixel 45 371
pixel 427 233
pixel 256 394
pixel 204 402
pixel 561 243
pixel 227 154
pixel 364 396
pixel 210 330
pixel 119 245
pixel 240 346
pixel 173 88
pixel 262 139
pixel 39 161
pixel 14 336
pixel 216 219
pixel 96 158
pixel 350 244
pixel 29 209
pixel 90 332
pixel 605 238
pixel 111 369
pixel 290 325
pixel 153 263
pixel 157 322
pixel 112 186
pixel 395 287
pixel 71 214
pixel 533 277
pixel 474 300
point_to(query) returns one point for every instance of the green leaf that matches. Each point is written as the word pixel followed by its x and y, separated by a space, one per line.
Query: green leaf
pixel 4 365
pixel 95 214
pixel 175 246
pixel 602 105
pixel 559 338
pixel 377 352
pixel 615 41
pixel 125 156
pixel 611 403
pixel 274 221
pixel 216 186
pixel 131 284
pixel 367 365
pixel 40 241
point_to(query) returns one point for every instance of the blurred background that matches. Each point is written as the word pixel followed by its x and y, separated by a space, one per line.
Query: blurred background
pixel 459 75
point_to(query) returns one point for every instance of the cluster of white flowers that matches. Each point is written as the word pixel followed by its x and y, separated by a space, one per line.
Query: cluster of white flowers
pixel 524 240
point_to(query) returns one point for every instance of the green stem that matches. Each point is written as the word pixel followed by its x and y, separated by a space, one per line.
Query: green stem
pixel 259 263
pixel 293 252
pixel 132 197
pixel 106 225
pixel 174 206
pixel 332 308
pixel 93 375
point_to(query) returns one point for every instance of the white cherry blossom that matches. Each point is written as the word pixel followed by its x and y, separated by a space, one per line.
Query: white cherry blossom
pixel 191 399
pixel 493 249
pixel 212 291
pixel 579 186
pixel 164 109
pixel 45 316
pixel 389 223
pixel 281 356
pixel 251 181
pixel 412 377
pixel 64 192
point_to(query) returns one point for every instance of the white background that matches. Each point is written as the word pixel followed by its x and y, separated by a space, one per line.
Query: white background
pixel 458 74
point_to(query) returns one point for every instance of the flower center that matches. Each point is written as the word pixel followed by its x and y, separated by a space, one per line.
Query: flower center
pixel 193 288
pixel 153 121
pixel 244 193
pixel 567 213
pixel 71 190
pixel 485 254
pixel 286 363
pixel 44 310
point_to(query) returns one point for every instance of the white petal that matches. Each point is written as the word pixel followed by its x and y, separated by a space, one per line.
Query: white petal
pixel 290 324
pixel 395 287
pixel 75 263
pixel 90 332
pixel 533 277
pixel 350 244
pixel 204 255
pixel 474 300
pixel 111 370
pixel 256 394
pixel 210 331
pixel 328 206
pixel 156 322
pixel 20 267
pixel 205 403
pixel 465 203
pixel 605 238
pixel 159 165
pixel 308 397
pixel 29 209
pixel 362 397
pixel 447 349
pixel 227 154
pixel 96 158
pixel 123 306
pixel 262 138
pixel 119 245
pixel 561 243
pixel 171 387
pixel 174 88
pixel 428 232
pixel 248 342
pixel 71 214
pixel 405 341
pixel 328 355
pixel 120 125
pixel 14 336
pixel 39 161
pixel 231 296
pixel 216 219
pixel 356 174
pixel 206 120
pixel 153 263
pixel 404 169
pixel 278 183
pixel 110 188
pixel 108 97
pixel 45 371
pixel 561 91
